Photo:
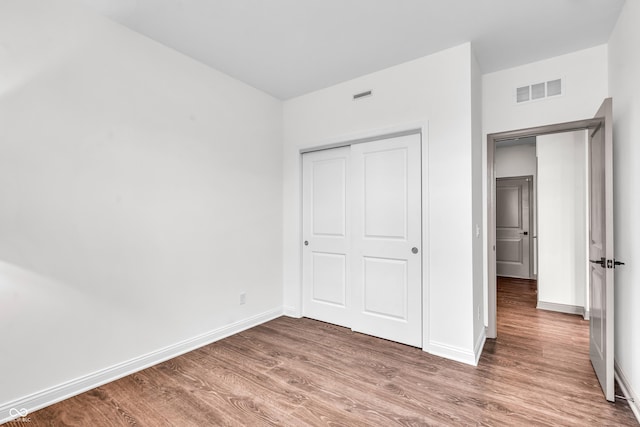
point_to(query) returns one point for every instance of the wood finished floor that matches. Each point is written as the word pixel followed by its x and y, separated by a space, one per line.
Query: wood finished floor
pixel 299 372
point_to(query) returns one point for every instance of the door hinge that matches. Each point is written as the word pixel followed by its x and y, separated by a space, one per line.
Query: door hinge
pixel 612 263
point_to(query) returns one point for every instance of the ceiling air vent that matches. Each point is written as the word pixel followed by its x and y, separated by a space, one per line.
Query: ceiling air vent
pixel 537 91
pixel 362 95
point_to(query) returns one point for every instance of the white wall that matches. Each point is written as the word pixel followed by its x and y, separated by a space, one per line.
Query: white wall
pixel 624 69
pixel 585 73
pixel 436 89
pixel 562 208
pixel 477 224
pixel 520 160
pixel 585 78
pixel 141 193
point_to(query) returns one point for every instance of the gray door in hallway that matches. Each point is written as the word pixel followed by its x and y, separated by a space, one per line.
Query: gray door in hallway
pixel 601 249
pixel 513 224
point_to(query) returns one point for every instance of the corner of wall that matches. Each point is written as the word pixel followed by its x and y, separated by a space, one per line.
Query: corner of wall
pixel 624 67
pixel 291 311
pixel 477 222
pixel 479 346
pixel 458 354
pixel 633 399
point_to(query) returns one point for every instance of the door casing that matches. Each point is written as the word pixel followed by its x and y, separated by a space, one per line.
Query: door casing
pixel 605 369
pixel 492 331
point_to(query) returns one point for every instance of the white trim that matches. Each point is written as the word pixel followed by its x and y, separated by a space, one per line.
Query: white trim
pixel 561 308
pixel 290 311
pixel 373 134
pixel 477 349
pixel 350 142
pixel 55 394
pixel 627 390
pixel 425 238
pixel 453 353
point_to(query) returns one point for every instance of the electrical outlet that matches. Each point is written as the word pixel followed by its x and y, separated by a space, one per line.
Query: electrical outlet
pixel 243 298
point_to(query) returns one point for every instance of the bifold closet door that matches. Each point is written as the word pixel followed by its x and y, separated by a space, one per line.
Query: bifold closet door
pixel 386 230
pixel 362 238
pixel 326 223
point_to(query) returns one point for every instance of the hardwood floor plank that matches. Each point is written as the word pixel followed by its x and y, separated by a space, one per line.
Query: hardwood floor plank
pixel 302 372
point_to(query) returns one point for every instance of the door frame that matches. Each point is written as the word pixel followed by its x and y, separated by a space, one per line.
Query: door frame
pixel 529 179
pixel 373 134
pixel 492 331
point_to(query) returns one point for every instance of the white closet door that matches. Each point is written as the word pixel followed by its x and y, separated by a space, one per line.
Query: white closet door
pixel 386 239
pixel 361 262
pixel 326 262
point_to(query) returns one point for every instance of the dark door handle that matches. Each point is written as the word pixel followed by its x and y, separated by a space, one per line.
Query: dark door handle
pixel 600 261
pixel 616 262
pixel 526 233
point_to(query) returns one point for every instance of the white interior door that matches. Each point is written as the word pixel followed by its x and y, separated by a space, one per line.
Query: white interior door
pixel 601 250
pixel 361 262
pixel 386 239
pixel 326 223
pixel 512 227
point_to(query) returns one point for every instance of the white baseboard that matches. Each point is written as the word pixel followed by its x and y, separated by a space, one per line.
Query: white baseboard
pixel 453 353
pixel 477 349
pixel 33 402
pixel 292 312
pixel 561 308
pixel 627 390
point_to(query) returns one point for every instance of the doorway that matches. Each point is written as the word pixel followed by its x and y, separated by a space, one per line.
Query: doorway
pixel 532 135
pixel 601 256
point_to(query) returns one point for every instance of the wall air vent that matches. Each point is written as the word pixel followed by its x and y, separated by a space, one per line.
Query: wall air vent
pixel 554 87
pixel 537 91
pixel 522 94
pixel 361 95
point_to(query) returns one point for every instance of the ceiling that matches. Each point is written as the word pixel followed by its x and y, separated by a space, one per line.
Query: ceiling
pixel 291 47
